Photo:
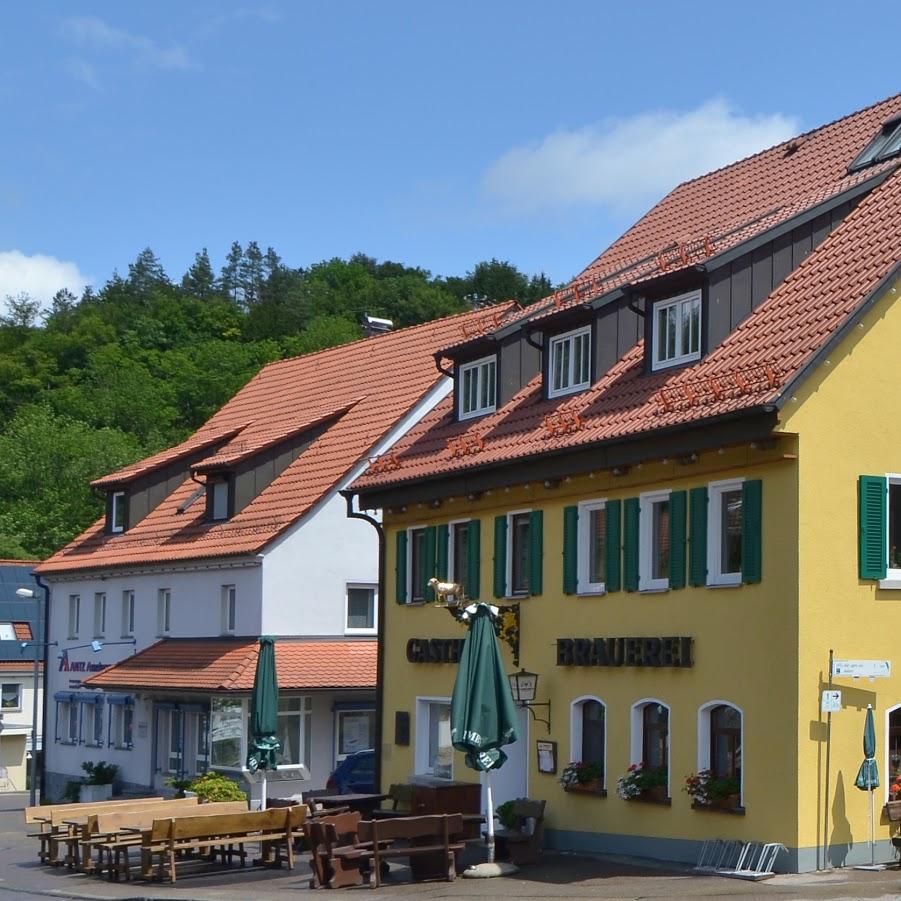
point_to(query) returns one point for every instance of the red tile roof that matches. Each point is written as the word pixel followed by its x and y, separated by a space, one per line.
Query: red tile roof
pixel 23 631
pixel 229 664
pixel 367 386
pixel 751 367
pixel 19 666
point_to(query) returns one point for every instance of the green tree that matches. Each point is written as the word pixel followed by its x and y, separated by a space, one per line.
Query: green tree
pixel 251 273
pixel 21 312
pixel 199 280
pixel 230 276
pixel 146 272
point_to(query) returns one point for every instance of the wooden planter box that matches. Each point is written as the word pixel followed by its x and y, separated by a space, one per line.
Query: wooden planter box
pixel 656 794
pixel 586 788
pixel 893 811
pixel 730 802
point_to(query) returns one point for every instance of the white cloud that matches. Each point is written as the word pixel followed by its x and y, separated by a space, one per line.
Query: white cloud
pixel 624 164
pixel 90 31
pixel 84 72
pixel 38 275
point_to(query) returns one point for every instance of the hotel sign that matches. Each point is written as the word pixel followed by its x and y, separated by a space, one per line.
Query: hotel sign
pixel 672 651
pixel 434 650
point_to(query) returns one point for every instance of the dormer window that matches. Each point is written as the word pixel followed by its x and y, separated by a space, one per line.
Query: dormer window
pixel 477 388
pixel 218 497
pixel 676 337
pixel 116 512
pixel 886 144
pixel 570 362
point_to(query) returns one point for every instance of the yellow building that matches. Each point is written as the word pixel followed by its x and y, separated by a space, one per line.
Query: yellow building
pixel 680 480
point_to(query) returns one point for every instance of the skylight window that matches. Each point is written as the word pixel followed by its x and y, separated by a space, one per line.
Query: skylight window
pixel 885 145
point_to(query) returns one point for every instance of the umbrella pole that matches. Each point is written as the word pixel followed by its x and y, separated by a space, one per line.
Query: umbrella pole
pixel 490 815
pixel 872 832
pixel 263 803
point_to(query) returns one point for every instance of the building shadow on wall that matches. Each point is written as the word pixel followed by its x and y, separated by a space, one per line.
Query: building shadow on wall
pixel 840 841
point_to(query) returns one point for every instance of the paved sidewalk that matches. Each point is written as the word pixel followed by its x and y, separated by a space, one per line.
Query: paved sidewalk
pixel 558 876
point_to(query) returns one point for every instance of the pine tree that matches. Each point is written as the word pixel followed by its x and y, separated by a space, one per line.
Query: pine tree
pixel 199 280
pixel 251 273
pixel 230 276
pixel 272 264
pixel 146 272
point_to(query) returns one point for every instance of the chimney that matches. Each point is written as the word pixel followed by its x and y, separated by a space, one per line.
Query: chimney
pixel 374 326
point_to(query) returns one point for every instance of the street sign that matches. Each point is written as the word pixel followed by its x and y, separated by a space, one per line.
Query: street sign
pixel 831 701
pixel 872 669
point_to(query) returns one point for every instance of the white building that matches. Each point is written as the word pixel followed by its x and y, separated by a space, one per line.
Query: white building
pixel 238 532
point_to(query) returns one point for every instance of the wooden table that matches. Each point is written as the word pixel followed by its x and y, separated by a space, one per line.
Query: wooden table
pixel 365 804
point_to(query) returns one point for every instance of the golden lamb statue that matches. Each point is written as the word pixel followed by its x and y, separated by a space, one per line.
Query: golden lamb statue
pixel 447 594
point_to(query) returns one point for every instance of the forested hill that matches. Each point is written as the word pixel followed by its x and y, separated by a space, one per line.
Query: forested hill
pixel 96 382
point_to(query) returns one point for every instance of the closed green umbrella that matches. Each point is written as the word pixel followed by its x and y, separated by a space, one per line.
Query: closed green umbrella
pixel 263 744
pixel 868 774
pixel 483 715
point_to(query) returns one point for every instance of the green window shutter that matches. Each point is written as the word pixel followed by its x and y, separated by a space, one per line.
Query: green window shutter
pixel 631 511
pixel 400 568
pixel 751 530
pixel 500 556
pixel 697 542
pixel 677 508
pixel 612 537
pixel 536 551
pixel 872 497
pixel 442 534
pixel 428 561
pixel 473 577
pixel 570 549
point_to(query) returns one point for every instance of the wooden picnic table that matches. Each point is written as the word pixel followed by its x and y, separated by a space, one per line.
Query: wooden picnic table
pixel 362 803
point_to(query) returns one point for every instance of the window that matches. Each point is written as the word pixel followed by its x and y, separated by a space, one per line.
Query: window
pixel 654 543
pixel 218 489
pixel 434 751
pixel 676 330
pixel 894 745
pixel 477 388
pixel 228 609
pixel 67 721
pixel 128 613
pixel 588 732
pixel 226 732
pixel 93 724
pixel 650 735
pixel 123 716
pixel 879 524
pixel 117 511
pixel 74 614
pixel 592 552
pixel 361 602
pixel 7 632
pixel 355 731
pixel 419 568
pixel 570 362
pixel 163 611
pixel 99 614
pixel 894 527
pixel 520 524
pixel 720 726
pixel 459 553
pixel 201 724
pixel 724 532
pixel 11 696
pixel 886 144
pixel 294 730
pixel 171 726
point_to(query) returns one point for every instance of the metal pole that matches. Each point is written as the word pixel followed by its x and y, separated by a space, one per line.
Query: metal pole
pixel 828 756
pixel 34 732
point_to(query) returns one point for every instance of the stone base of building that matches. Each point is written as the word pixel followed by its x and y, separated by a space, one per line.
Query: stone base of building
pixel 686 851
pixel 56 784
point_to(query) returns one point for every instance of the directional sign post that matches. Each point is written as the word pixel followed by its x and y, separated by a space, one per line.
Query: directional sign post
pixel 856 669
pixel 831 702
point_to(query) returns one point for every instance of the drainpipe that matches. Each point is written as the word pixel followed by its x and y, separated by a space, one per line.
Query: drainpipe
pixel 46 705
pixel 380 652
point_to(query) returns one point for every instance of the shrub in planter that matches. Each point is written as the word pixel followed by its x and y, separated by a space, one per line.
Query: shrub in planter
pixel 712 791
pixel 97 785
pixel 214 786
pixel 505 815
pixel 581 775
pixel 641 781
pixel 180 786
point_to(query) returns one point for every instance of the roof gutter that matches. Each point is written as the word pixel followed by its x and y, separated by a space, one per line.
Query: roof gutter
pixel 45 637
pixel 439 356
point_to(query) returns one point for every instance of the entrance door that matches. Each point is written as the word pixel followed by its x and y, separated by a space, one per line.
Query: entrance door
pixel 511 780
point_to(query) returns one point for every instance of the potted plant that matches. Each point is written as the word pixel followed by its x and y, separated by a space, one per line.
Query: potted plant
pixel 707 790
pixel 582 776
pixel 893 807
pixel 212 786
pixel 642 783
pixel 97 785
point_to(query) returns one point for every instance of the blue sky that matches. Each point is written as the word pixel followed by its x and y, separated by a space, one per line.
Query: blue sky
pixel 432 134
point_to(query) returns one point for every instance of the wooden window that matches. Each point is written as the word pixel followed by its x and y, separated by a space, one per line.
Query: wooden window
pixel 593 733
pixel 725 742
pixel 676 330
pixel 655 736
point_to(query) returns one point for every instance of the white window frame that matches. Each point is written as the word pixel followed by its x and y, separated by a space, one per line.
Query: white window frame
pixel 646 503
pixel 242 749
pixel 90 723
pixel 369 712
pixel 8 632
pixel 636 738
pixel 409 592
pixel 128 612
pixel 305 717
pixel 572 385
pixel 480 367
pixel 892 576
pixel 704 738
pixel 583 555
pixel 99 614
pixel 163 611
pixel 508 585
pixel 421 737
pixel 715 491
pixel 656 362
pixel 18 707
pixel 217 487
pixel 575 731
pixel 68 735
pixel 74 614
pixel 229 609
pixel 452 574
pixel 118 726
pixel 366 586
pixel 117 506
pixel 886 782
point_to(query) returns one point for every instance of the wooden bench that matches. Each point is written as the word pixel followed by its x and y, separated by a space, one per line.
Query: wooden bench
pixel 334 848
pixel 524 841
pixel 430 842
pixel 400 796
pixel 43 813
pixel 168 837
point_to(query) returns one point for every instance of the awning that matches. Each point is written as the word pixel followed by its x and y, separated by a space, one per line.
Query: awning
pixel 67 697
pixel 218 665
pixel 90 697
pixel 119 699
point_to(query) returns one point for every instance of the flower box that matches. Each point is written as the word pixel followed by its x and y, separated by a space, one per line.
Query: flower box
pixel 592 787
pixel 893 811
pixel 656 794
pixel 728 803
pixel 89 794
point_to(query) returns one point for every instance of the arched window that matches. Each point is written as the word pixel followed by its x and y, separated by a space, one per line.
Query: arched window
pixel 894 745
pixel 655 736
pixel 725 742
pixel 589 732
